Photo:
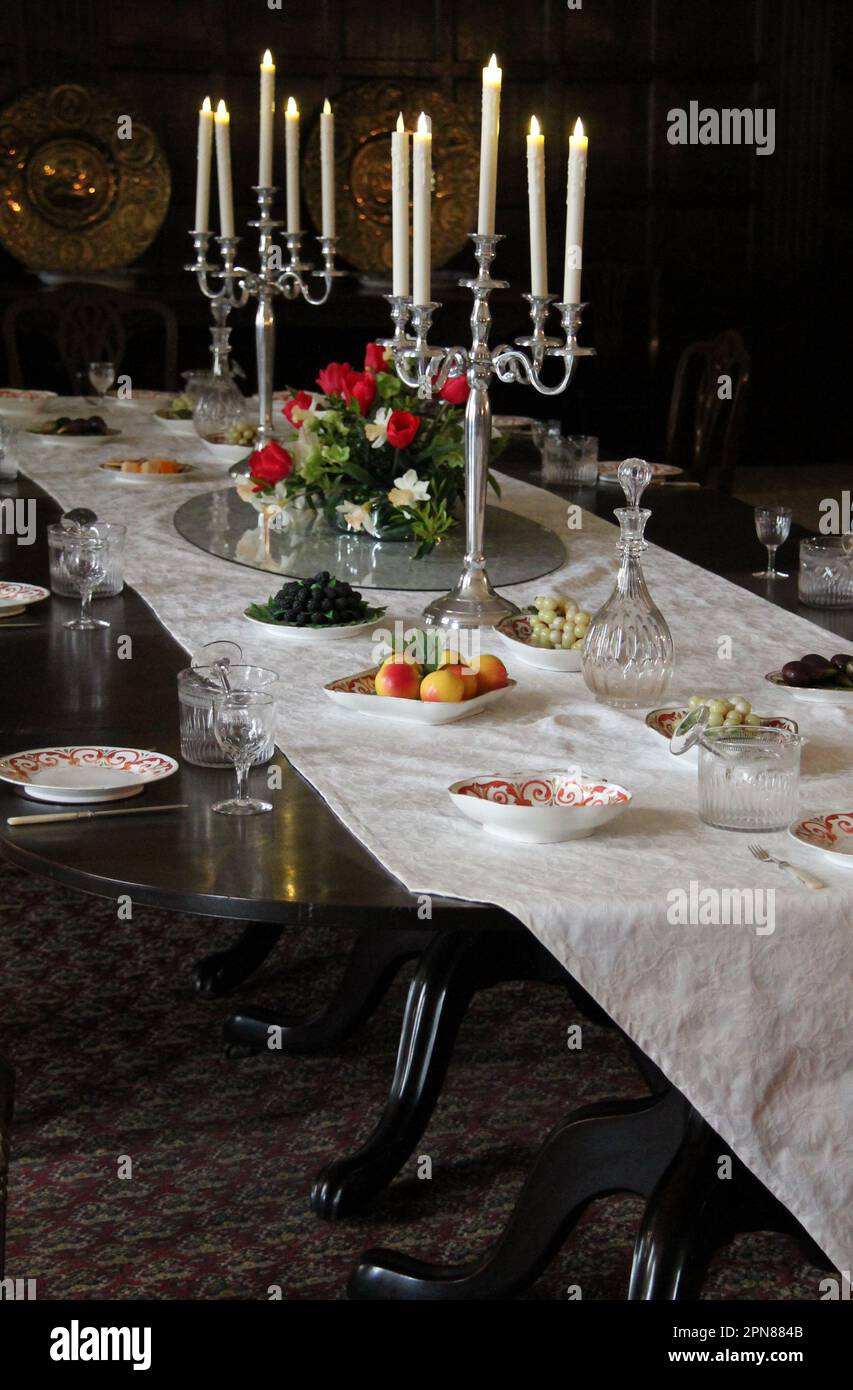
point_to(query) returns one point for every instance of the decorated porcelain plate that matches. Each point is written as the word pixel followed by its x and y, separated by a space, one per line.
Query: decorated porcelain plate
pixel 358 693
pixel 515 631
pixel 18 404
pixel 812 694
pixel 540 807
pixel 607 471
pixel 16 596
pixel 289 632
pixel 84 772
pixel 116 468
pixel 830 835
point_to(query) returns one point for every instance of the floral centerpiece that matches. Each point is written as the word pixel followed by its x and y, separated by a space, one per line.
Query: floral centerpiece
pixel 369 453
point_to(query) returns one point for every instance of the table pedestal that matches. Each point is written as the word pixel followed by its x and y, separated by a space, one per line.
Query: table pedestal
pixel 7 1077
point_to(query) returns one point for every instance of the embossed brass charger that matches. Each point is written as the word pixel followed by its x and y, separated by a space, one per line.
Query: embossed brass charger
pixel 365 118
pixel 78 196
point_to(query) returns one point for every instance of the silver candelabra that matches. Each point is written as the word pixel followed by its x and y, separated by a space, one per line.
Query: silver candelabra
pixel 473 601
pixel 238 285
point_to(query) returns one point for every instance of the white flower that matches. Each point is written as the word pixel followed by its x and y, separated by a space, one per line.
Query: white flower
pixel 408 490
pixel 376 429
pixel 357 518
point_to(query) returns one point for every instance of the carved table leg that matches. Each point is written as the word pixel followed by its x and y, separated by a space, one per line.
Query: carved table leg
pixel 225 970
pixel 7 1078
pixel 613 1146
pixel 373 962
pixel 454 967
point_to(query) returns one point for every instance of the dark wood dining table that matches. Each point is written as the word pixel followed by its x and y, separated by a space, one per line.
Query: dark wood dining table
pixel 299 866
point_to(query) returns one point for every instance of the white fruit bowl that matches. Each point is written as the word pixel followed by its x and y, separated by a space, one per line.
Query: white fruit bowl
pixel 358 694
pixel 515 633
pixel 186 427
pixel 539 808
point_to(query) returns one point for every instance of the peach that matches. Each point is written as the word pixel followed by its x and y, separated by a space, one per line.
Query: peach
pixel 444 685
pixel 467 676
pixel 491 675
pixel 399 679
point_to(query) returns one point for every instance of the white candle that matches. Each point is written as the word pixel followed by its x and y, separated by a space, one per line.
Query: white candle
pixel 400 207
pixel 327 167
pixel 223 169
pixel 489 147
pixel 266 125
pixel 536 199
pixel 202 187
pixel 421 211
pixel 291 127
pixel 575 196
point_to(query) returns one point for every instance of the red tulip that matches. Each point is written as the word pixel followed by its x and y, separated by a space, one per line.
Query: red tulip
pixel 270 465
pixel 362 388
pixel 374 358
pixel 301 401
pixel 455 390
pixel 333 379
pixel 402 428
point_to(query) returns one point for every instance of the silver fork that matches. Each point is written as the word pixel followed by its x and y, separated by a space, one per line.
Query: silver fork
pixel 802 874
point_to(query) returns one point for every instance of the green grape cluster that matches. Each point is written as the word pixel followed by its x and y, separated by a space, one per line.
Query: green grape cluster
pixel 241 433
pixel 559 623
pixel 728 713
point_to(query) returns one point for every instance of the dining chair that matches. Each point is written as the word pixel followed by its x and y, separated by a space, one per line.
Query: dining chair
pixel 88 323
pixel 706 410
pixel 6 1089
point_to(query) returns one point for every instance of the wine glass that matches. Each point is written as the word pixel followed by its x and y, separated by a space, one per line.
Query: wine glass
pixel 243 724
pixel 101 375
pixel 85 561
pixel 772 527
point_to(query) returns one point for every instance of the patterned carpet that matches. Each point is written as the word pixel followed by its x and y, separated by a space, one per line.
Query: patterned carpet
pixel 116 1059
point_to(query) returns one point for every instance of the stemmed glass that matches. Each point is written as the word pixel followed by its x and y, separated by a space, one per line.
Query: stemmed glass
pixel 243 724
pixel 101 375
pixel 85 561
pixel 772 527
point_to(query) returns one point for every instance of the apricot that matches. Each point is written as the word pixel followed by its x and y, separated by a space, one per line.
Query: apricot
pixel 444 685
pixel 399 679
pixel 467 676
pixel 491 675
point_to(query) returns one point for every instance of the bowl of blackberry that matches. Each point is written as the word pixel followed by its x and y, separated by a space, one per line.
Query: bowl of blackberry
pixel 314 609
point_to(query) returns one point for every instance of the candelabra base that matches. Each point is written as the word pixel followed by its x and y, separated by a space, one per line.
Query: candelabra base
pixel 472 603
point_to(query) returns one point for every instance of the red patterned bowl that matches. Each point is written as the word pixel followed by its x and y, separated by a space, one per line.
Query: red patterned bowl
pixel 831 834
pixel 540 808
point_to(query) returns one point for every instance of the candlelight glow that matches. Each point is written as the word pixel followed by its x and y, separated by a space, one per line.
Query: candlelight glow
pixel 327 110
pixel 267 62
pixel 423 123
pixel 534 126
pixel 492 74
pixel 205 105
pixel 578 133
pixel 292 108
pixel 401 124
pixel 222 112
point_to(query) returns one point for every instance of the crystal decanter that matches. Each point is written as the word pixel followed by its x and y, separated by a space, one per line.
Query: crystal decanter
pixel 628 656
pixel 219 403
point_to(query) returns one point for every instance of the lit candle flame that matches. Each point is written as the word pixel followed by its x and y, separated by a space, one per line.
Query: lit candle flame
pixel 205 105
pixel 578 133
pixel 492 73
pixel 401 124
pixel 534 126
pixel 222 111
pixel 423 123
pixel 266 61
pixel 327 109
pixel 292 108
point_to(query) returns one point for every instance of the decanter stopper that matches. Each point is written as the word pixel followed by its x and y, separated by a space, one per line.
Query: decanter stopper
pixel 635 476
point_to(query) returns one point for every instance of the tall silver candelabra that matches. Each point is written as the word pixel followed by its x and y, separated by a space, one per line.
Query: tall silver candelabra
pixel 237 286
pixel 473 601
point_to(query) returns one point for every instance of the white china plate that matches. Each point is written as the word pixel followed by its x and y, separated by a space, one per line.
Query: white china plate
pixel 177 426
pixel 512 631
pixel 23 405
pixel 188 470
pixel 830 835
pixel 78 440
pixel 539 808
pixel 13 595
pixel 11 612
pixel 288 633
pixel 356 693
pixel 811 694
pixel 607 472
pixel 84 772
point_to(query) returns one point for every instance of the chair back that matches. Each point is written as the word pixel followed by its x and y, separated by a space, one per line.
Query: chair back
pixel 706 410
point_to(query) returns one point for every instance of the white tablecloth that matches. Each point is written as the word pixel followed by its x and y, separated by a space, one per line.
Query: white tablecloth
pixel 756 1030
